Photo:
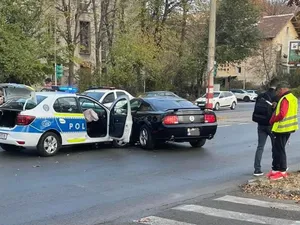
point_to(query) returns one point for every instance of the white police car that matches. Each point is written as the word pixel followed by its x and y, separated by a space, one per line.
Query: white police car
pixel 49 120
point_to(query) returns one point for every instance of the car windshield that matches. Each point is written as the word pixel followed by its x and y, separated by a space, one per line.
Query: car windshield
pixel 18 103
pixel 216 94
pixel 95 95
pixel 165 104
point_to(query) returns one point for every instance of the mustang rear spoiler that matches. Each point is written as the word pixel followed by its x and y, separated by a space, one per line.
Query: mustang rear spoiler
pixel 176 109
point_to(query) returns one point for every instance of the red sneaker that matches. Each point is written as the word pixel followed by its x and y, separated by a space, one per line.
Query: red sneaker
pixel 284 174
pixel 271 173
pixel 278 176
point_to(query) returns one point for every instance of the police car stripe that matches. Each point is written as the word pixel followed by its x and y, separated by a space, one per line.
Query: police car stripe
pixel 76 140
pixel 69 115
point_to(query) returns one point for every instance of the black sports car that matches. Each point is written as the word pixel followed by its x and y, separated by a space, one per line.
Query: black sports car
pixel 159 119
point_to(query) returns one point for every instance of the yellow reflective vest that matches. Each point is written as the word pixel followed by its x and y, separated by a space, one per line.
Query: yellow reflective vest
pixel 290 121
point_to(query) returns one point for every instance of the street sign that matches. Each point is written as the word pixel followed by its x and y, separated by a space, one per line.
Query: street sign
pixel 294 52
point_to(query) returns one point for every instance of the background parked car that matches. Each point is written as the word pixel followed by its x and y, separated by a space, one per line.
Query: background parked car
pixel 106 95
pixel 244 95
pixel 222 99
pixel 253 92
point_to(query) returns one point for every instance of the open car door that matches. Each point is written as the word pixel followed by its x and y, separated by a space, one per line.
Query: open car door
pixel 120 120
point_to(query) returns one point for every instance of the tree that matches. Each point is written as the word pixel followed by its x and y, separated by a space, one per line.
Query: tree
pixel 24 41
pixel 236 32
pixel 68 26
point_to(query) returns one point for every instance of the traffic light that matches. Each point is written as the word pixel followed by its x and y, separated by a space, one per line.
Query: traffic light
pixel 59 71
pixel 215 69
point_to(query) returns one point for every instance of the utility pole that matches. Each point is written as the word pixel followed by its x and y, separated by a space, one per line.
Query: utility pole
pixel 211 54
pixel 55 63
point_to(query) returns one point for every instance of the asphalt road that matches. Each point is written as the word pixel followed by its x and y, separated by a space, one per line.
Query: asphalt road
pixel 90 187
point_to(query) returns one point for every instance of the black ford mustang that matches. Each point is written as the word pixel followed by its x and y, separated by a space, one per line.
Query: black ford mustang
pixel 161 119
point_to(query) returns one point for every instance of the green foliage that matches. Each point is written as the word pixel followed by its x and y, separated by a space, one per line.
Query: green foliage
pixel 296 91
pixel 237 34
pixel 293 78
pixel 23 44
pixel 135 59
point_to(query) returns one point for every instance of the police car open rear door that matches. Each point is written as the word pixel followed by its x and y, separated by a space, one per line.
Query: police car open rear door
pixel 120 120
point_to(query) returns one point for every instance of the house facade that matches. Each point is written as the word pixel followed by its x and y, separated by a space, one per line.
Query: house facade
pixel 75 31
pixel 272 54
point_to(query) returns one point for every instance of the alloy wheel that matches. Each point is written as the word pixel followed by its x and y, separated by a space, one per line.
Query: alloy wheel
pixel 143 137
pixel 50 144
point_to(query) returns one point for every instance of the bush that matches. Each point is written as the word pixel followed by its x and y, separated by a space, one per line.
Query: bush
pixel 296 91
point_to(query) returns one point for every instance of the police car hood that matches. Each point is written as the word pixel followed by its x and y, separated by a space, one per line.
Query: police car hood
pixel 18 90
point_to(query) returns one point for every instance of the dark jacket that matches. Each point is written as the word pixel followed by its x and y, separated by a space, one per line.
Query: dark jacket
pixel 262 111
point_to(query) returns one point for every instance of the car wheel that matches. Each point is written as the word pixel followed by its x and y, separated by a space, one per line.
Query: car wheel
pixel 49 144
pixel 119 144
pixel 9 148
pixel 145 138
pixel 198 143
pixel 246 99
pixel 217 106
pixel 233 105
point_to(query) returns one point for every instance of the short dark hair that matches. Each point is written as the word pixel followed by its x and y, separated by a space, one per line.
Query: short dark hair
pixel 274 82
pixel 48 80
pixel 282 84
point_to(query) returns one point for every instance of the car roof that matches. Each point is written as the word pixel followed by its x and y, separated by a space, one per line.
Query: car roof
pixel 103 90
pixel 161 98
pixel 58 94
pixel 159 92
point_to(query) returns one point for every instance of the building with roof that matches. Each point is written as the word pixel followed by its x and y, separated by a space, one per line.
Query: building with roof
pixel 272 56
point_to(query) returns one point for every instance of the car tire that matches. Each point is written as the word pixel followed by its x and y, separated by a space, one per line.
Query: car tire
pixel 198 143
pixel 233 105
pixel 217 106
pixel 146 138
pixel 49 144
pixel 9 148
pixel 246 99
pixel 119 144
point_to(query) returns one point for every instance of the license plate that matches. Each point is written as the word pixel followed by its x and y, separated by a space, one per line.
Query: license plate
pixel 3 136
pixel 193 132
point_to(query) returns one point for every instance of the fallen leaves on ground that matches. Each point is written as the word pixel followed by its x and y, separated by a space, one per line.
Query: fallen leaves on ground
pixel 285 189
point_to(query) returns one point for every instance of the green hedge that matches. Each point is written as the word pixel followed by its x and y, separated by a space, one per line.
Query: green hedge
pixel 296 91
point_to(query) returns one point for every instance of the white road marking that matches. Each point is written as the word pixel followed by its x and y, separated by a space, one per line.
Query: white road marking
pixel 254 202
pixel 235 215
pixel 153 220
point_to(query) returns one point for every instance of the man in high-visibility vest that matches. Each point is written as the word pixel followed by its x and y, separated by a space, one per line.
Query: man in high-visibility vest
pixel 284 122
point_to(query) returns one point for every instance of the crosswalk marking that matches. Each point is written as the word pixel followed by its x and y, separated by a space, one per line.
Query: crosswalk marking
pixel 153 220
pixel 254 202
pixel 235 215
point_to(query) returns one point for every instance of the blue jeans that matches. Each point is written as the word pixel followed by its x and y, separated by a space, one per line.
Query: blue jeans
pixel 263 133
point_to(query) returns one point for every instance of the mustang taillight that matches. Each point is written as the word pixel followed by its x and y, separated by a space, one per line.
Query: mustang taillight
pixel 209 118
pixel 170 120
pixel 24 119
